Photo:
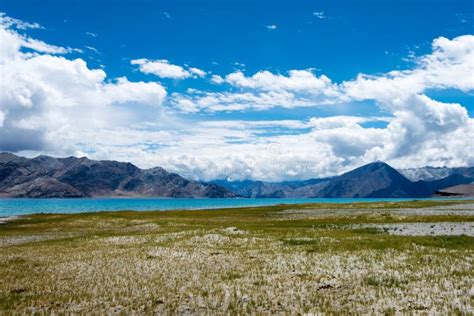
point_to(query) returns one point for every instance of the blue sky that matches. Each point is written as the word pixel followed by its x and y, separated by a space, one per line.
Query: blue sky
pixel 347 39
pixel 338 40
pixel 353 36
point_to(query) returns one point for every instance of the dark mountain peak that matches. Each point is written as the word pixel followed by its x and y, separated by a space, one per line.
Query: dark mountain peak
pixel 376 179
pixel 380 168
pixel 374 166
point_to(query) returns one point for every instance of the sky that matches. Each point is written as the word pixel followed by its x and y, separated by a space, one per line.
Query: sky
pixel 262 90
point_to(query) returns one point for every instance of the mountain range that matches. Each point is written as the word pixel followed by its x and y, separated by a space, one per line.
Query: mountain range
pixel 374 180
pixel 45 177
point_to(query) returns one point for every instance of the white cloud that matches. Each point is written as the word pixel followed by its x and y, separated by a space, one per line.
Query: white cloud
pixel 95 50
pixel 421 125
pixel 230 101
pixel 297 80
pixel 420 120
pixel 333 122
pixel 42 47
pixel 12 41
pixel 91 34
pixel 8 22
pixel 161 68
pixel 198 72
pixel 217 79
pixel 186 105
pixel 271 27
pixel 319 14
pixel 49 101
pixel 263 90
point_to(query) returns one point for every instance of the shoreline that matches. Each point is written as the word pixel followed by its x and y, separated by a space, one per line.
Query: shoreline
pixel 309 204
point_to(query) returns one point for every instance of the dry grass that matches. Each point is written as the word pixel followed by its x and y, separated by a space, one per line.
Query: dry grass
pixel 282 259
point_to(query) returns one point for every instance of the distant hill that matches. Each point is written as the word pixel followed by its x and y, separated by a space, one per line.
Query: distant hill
pixel 45 177
pixel 375 180
pixel 463 190
pixel 261 189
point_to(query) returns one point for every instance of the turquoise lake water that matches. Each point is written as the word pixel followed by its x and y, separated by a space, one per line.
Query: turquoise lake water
pixel 11 207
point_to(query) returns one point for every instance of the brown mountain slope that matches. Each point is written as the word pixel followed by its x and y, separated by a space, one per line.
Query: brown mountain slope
pixel 463 190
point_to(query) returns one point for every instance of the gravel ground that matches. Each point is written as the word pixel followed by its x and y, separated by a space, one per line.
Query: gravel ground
pixel 427 229
pixel 461 209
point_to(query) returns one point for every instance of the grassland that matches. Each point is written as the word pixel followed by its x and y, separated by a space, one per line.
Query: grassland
pixel 281 259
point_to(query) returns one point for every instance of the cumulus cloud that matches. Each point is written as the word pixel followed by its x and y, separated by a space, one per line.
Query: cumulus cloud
pixel 421 125
pixel 271 27
pixel 164 69
pixel 303 81
pixel 161 68
pixel 450 65
pixel 48 100
pixel 263 90
pixel 216 79
pixel 198 72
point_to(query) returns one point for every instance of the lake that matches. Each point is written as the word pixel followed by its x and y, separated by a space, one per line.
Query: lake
pixel 11 207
